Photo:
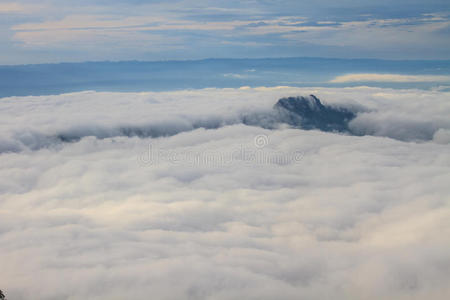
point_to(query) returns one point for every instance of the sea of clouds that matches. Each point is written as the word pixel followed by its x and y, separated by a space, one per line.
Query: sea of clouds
pixel 171 195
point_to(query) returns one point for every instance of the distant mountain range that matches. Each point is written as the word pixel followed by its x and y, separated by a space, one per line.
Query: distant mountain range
pixel 43 79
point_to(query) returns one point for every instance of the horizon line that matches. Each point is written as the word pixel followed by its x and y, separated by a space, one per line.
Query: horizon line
pixel 224 58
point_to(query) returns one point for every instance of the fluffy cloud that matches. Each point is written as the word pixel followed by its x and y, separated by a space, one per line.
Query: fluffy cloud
pixel 353 217
pixel 381 112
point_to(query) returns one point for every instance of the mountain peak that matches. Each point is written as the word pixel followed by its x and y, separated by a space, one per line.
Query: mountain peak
pixel 307 112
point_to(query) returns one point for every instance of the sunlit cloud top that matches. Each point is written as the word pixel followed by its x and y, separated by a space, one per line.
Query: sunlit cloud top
pixel 389 78
pixel 69 30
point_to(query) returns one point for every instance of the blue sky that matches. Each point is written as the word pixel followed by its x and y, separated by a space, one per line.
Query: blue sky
pixel 70 31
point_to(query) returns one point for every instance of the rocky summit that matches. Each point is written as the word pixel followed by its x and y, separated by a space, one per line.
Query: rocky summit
pixel 309 113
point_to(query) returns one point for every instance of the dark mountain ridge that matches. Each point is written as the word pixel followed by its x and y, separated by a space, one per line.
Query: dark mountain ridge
pixel 309 113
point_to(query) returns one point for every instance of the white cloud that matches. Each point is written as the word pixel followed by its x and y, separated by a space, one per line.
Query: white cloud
pixel 356 217
pixel 368 77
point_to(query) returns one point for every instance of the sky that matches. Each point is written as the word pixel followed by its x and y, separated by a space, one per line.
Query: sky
pixel 97 30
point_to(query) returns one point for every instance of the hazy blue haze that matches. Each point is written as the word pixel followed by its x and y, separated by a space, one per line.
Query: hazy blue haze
pixel 169 75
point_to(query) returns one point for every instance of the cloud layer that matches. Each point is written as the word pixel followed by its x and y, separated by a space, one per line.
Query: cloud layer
pixel 384 112
pixel 353 217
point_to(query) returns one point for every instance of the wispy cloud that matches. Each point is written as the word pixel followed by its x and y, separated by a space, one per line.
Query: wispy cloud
pixel 288 27
pixel 374 33
pixel 15 7
pixel 10 7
